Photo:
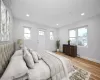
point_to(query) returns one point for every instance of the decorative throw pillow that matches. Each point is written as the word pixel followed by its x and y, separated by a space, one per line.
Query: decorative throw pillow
pixel 39 56
pixel 28 59
pixel 16 67
pixel 34 55
pixel 18 53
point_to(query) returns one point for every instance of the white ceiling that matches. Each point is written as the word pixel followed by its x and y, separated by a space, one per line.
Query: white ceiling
pixel 52 12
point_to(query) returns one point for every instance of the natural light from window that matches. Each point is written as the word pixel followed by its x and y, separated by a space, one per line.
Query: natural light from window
pixel 27 32
pixel 51 36
pixel 41 33
pixel 78 36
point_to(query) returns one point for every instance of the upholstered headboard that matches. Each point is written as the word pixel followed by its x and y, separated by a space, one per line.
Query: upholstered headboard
pixel 6 51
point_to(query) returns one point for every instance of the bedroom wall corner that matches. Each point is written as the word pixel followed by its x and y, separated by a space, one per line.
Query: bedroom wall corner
pixel 92 52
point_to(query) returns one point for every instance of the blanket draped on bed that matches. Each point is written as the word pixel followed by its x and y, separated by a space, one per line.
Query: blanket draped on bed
pixel 56 66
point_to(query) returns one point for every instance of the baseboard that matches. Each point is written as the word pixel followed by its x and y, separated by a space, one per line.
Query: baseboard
pixel 90 59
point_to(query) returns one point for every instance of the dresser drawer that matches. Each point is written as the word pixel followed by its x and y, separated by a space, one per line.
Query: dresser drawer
pixel 70 50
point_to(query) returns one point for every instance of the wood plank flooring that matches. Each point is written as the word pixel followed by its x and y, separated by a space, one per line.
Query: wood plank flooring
pixel 90 66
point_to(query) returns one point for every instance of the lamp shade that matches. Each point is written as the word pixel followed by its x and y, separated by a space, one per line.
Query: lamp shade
pixel 19 41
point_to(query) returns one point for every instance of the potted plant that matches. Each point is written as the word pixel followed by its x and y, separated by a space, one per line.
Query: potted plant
pixel 58 45
pixel 68 42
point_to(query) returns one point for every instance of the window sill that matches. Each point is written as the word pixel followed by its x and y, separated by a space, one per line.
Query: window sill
pixel 83 46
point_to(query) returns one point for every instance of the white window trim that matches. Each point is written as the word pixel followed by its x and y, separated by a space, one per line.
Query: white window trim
pixel 52 35
pixel 85 26
pixel 27 33
pixel 41 34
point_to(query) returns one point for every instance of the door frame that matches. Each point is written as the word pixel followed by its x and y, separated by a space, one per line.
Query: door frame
pixel 41 29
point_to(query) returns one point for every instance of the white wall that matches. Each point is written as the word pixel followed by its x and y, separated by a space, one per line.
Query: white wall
pixel 18 32
pixel 92 52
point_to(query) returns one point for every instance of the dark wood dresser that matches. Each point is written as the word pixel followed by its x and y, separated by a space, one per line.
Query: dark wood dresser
pixel 70 50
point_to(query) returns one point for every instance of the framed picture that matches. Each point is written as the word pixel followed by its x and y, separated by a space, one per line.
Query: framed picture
pixel 8 27
pixel 5 23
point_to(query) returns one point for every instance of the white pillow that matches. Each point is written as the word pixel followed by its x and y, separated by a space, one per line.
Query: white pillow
pixel 34 55
pixel 18 53
pixel 39 56
pixel 17 66
pixel 28 59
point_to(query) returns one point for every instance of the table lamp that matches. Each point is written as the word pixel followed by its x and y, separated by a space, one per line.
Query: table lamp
pixel 20 42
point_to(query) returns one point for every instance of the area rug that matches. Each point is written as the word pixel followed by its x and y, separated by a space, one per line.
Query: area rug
pixel 79 74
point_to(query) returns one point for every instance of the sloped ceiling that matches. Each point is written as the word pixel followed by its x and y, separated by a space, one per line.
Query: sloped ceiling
pixel 53 12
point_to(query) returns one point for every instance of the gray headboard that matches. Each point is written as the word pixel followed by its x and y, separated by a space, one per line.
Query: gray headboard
pixel 6 51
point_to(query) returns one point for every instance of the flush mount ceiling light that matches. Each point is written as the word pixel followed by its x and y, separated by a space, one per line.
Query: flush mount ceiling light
pixel 27 15
pixel 57 24
pixel 82 14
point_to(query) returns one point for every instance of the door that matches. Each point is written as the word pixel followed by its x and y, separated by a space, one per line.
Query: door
pixel 41 40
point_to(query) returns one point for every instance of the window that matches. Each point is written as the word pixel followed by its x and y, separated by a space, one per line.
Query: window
pixel 78 36
pixel 27 33
pixel 51 36
pixel 72 34
pixel 41 33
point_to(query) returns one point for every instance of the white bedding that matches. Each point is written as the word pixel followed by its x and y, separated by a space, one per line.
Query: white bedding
pixel 41 70
pixel 16 67
pixel 68 66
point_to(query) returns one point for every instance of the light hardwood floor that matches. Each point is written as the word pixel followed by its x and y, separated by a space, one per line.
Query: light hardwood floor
pixel 90 66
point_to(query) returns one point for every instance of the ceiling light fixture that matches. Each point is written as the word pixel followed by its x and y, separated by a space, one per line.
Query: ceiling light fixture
pixel 57 24
pixel 27 15
pixel 82 14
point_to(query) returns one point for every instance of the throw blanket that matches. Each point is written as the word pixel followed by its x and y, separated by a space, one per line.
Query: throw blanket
pixel 56 65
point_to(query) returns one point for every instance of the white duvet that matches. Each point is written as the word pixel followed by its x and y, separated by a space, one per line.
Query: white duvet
pixel 41 71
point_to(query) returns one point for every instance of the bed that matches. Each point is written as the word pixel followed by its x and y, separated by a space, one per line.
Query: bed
pixel 50 67
pixel 6 51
